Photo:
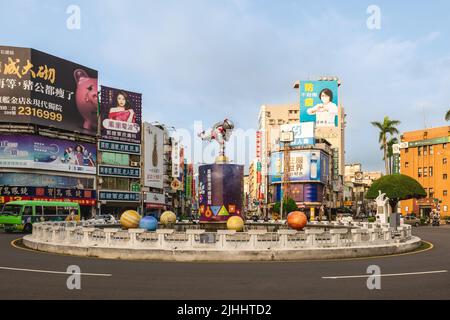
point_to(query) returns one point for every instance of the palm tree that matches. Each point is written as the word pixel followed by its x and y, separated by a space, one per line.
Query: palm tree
pixel 387 127
pixel 390 152
pixel 447 116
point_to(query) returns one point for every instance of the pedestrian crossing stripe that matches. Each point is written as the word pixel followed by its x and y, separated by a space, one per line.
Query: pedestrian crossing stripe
pixel 223 212
pixel 215 209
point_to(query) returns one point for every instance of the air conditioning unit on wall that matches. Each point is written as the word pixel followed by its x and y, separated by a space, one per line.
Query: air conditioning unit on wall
pixel 134 164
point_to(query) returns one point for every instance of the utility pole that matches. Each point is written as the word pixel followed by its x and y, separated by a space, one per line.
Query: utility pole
pixel 285 138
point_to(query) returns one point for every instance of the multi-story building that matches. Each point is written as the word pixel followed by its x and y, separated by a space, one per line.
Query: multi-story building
pixel 425 156
pixel 48 128
pixel 357 182
pixel 253 185
pixel 120 151
pixel 271 118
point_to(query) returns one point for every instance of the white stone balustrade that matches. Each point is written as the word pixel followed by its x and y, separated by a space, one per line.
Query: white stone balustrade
pixel 359 234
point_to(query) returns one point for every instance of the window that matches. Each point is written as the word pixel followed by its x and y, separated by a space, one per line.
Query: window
pixel 444 146
pixel 431 192
pixel 444 176
pixel 419 151
pixel 271 121
pixel 431 150
pixel 445 208
pixel 28 211
pixel 425 172
pixel 425 150
pixel 406 164
pixel 39 210
pixel 268 114
pixel 444 193
pixel 431 171
pixel 419 173
pixel 50 211
pixel 64 211
pixel 406 150
pixel 444 161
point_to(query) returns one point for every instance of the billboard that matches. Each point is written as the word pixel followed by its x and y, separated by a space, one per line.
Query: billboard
pixel 51 181
pixel 120 115
pixel 38 152
pixel 304 165
pixel 154 156
pixel 12 193
pixel 319 103
pixel 300 192
pixel 42 89
pixel 220 190
pixel 303 133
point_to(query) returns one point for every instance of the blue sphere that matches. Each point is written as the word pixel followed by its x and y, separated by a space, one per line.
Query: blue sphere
pixel 148 223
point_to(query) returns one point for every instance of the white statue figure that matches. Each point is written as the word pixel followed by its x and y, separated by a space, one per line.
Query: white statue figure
pixel 220 132
pixel 381 202
pixel 382 210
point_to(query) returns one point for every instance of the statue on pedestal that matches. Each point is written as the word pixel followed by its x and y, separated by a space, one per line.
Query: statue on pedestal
pixel 221 132
pixel 382 207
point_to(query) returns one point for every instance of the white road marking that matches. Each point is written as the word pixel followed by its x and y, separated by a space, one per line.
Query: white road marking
pixel 57 272
pixel 386 275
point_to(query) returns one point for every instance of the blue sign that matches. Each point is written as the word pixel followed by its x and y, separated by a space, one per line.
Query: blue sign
pixel 119 147
pixel 119 172
pixel 319 103
pixel 119 196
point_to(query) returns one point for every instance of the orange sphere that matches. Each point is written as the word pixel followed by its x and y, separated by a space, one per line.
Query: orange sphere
pixel 297 220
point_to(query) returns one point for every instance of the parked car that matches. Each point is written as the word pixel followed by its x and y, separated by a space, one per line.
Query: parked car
pixel 412 220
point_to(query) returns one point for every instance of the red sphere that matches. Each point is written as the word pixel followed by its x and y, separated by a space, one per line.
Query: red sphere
pixel 297 220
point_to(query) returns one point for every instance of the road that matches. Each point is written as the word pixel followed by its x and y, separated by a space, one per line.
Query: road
pixel 28 274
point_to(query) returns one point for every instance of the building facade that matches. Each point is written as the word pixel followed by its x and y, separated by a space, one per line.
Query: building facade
pixel 424 156
pixel 48 128
pixel 357 182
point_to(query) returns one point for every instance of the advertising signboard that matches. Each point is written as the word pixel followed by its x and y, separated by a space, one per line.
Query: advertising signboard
pixel 12 193
pixel 319 103
pixel 52 181
pixel 120 115
pixel 154 156
pixel 113 171
pixel 121 147
pixel 305 165
pixel 119 196
pixel 39 88
pixel 220 191
pixel 303 133
pixel 48 154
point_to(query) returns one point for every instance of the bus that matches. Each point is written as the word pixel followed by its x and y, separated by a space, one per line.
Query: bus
pixel 20 215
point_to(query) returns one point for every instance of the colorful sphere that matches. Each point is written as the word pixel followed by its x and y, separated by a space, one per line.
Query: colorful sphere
pixel 235 223
pixel 130 219
pixel 297 220
pixel 168 217
pixel 148 223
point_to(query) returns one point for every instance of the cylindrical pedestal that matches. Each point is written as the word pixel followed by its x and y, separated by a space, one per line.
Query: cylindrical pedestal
pixel 220 191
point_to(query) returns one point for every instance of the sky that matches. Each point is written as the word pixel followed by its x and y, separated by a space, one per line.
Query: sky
pixel 211 60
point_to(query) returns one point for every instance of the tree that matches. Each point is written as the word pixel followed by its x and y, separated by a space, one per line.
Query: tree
pixel 289 205
pixel 387 127
pixel 390 152
pixel 397 187
pixel 447 116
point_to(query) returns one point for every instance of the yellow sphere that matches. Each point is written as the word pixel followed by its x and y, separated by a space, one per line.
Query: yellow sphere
pixel 130 219
pixel 168 217
pixel 235 223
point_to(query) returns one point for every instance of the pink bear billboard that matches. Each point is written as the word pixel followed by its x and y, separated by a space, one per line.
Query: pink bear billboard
pixel 42 89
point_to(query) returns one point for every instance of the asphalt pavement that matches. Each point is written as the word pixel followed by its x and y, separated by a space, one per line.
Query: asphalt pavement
pixel 26 274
